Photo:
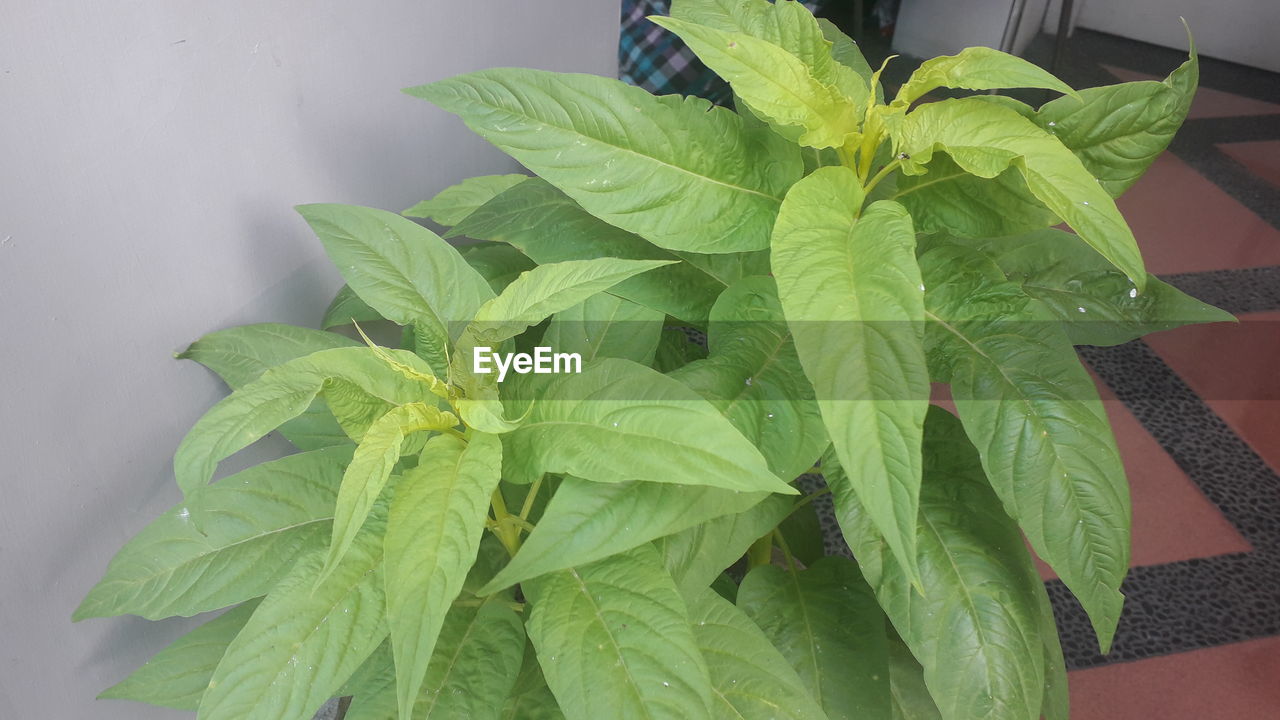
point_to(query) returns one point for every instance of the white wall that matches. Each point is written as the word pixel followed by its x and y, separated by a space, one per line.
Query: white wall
pixel 150 154
pixel 1242 31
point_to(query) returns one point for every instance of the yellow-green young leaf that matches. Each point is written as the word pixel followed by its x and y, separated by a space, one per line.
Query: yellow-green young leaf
pixel 845 51
pixel 347 308
pixel 499 263
pixel 285 392
pixel 433 535
pixel 753 376
pixel 453 204
pixel 402 270
pixel 549 227
pixel 614 641
pixel 1097 302
pixel 750 678
pixel 475 665
pixel 696 556
pixel 1118 130
pixel 911 699
pixel 586 521
pixel 375 457
pixel 975 627
pixel 226 543
pixel 1034 414
pixel 714 187
pixel 825 622
pixel 854 300
pixel 620 421
pixel 177 676
pixel 605 325
pixel 977 68
pixel 776 84
pixel 240 355
pixel 986 139
pixel 531 699
pixel 305 640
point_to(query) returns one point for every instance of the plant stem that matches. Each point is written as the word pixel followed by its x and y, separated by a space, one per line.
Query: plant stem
pixel 884 172
pixel 508 533
pixel 786 551
pixel 528 499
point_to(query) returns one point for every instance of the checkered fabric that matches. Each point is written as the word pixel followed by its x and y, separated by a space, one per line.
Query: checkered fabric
pixel 659 62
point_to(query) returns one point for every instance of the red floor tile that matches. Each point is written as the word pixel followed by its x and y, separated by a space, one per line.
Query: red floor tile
pixel 1236 370
pixel 1261 157
pixel 1208 103
pixel 1232 682
pixel 1184 223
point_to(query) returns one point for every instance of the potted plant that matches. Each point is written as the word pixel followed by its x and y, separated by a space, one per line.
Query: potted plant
pixel 527 509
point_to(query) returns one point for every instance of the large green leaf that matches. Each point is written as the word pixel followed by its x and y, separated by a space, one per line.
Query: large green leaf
pixel 586 521
pixel 1057 701
pixel 977 68
pixel 605 325
pixel 285 392
pixel 373 688
pixel 911 699
pixel 949 199
pixel 304 640
pixel 614 641
pixel 178 675
pixel 531 699
pixel 696 556
pixel 825 622
pixel 1118 130
pixel 433 535
pixel 475 664
pixel 499 263
pixel 753 375
pixel 975 627
pixel 224 543
pixel 986 139
pixel 1034 414
pixel 854 300
pixel 845 51
pixel 1098 303
pixel 240 355
pixel 453 204
pixel 750 678
pixel 402 270
pixel 548 226
pixel 713 187
pixel 778 85
pixel 347 308
pixel 620 421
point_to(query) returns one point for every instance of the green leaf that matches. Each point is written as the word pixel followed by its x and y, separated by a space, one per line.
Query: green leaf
pixel 975 627
pixel 714 187
pixel 240 355
pixel 614 640
pixel 548 226
pixel 498 263
pixel 1057 701
pixel 949 199
pixel 676 349
pixel 586 521
pixel 304 640
pixel 977 68
pixel 825 622
pixel 226 543
pixel 531 699
pixel 986 139
pixel 375 458
pixel 453 204
pixel 285 392
pixel 1118 130
pixel 853 297
pixel 696 556
pixel 402 270
pixel 753 376
pixel 433 536
pixel 911 699
pixel 1098 303
pixel 1034 414
pixel 346 309
pixel 750 679
pixel 845 51
pixel 620 421
pixel 605 325
pixel 548 289
pixel 373 688
pixel 177 676
pixel 475 664
pixel 778 85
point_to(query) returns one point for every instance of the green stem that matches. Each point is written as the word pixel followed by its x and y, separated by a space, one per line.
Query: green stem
pixel 884 172
pixel 786 551
pixel 528 499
